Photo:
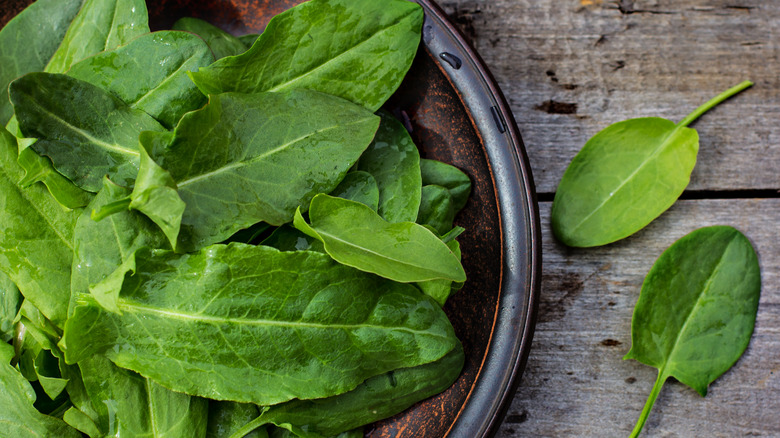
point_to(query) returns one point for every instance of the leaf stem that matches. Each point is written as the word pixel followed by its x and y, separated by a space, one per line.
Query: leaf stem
pixel 111 208
pixel 659 383
pixel 713 103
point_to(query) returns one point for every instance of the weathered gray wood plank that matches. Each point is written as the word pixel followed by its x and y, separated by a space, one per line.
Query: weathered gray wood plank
pixel 576 383
pixel 570 68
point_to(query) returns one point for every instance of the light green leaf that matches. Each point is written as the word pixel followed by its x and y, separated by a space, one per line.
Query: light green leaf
pixel 252 324
pixel 626 176
pixel 697 309
pixel 29 40
pixel 10 303
pixel 87 132
pixel 99 26
pixel 359 50
pixel 440 290
pixel 150 73
pixel 36 245
pixel 18 416
pixel 82 422
pixel 393 160
pixel 244 159
pixel 356 236
pixel 221 43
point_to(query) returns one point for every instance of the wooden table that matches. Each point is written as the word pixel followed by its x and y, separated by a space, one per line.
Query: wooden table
pixel 569 68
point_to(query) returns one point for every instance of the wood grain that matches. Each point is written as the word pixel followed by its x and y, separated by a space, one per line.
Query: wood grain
pixel 576 383
pixel 570 68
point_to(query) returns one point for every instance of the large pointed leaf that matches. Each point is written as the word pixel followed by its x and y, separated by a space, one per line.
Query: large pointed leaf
pixel 697 309
pixel 375 399
pixel 356 236
pixel 221 43
pixel 130 405
pixel 150 73
pixel 249 158
pixel 356 49
pixel 18 417
pixel 99 26
pixel 252 324
pixel 87 132
pixel 437 209
pixel 393 160
pixel 36 240
pixel 29 40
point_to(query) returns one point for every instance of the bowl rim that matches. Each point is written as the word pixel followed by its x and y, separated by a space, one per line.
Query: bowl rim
pixel 520 278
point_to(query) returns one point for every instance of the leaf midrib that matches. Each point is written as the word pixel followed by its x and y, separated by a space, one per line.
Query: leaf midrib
pixel 264 155
pixel 86 135
pixel 630 177
pixel 696 306
pixel 133 307
pixel 306 74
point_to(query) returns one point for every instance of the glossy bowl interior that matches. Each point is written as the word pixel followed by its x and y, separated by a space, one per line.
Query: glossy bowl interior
pixel 455 113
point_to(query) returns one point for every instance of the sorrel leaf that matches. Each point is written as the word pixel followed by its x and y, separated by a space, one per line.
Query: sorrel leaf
pixel 40 169
pixel 359 50
pixel 626 176
pixel 221 43
pixel 437 209
pixel 18 416
pixel 226 418
pixel 359 187
pixel 356 236
pixel 252 324
pixel 243 159
pixel 99 247
pixel 440 290
pixel 99 26
pixel 150 73
pixel 29 40
pixel 10 302
pixel 130 405
pixel 450 177
pixel 87 132
pixel 378 397
pixel 36 245
pixel 697 309
pixel 393 160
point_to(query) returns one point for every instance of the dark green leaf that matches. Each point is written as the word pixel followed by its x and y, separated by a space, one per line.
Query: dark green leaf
pixel 625 177
pixel 18 416
pixel 393 160
pixel 130 405
pixel 87 132
pixel 29 40
pixel 36 245
pixel 377 398
pixel 356 236
pixel 99 26
pixel 447 176
pixel 288 238
pixel 249 39
pixel 252 324
pixel 697 309
pixel 359 187
pixel 225 418
pixel 359 50
pixel 47 367
pixel 41 169
pixel 10 303
pixel 221 43
pixel 244 159
pixel 437 209
pixel 150 73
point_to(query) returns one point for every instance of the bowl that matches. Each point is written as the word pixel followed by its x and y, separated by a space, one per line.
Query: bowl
pixel 456 113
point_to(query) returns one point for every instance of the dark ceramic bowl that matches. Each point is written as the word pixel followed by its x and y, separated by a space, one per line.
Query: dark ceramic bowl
pixel 456 114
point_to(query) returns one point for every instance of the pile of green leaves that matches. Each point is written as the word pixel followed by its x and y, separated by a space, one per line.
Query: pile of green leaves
pixel 215 236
